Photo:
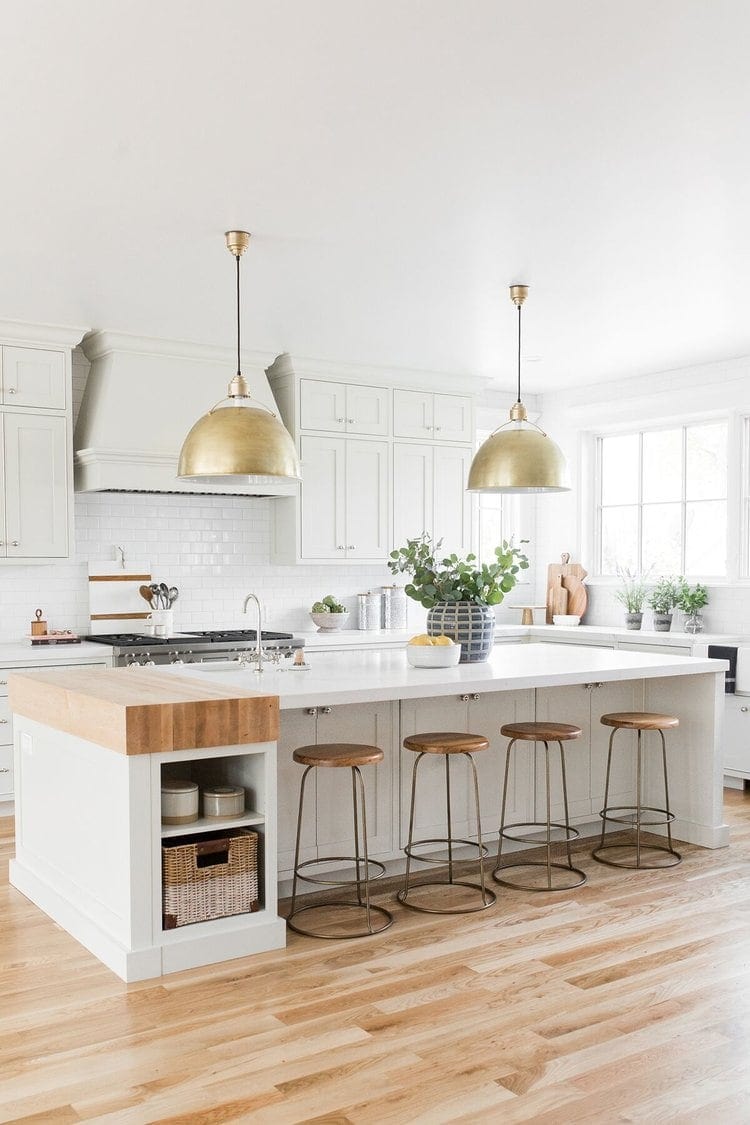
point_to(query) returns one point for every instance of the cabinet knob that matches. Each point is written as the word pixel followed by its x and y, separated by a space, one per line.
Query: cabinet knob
pixel 350 421
pixel 341 548
pixel 475 697
pixel 5 721
pixel 3 682
pixel 15 543
pixel 312 710
pixel 464 698
pixel 340 420
pixel 4 770
pixel 438 427
pixel 12 390
pixel 743 708
pixel 351 547
pixel 325 710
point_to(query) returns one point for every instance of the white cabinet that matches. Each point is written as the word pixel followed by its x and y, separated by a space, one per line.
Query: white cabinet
pixel 36 472
pixel 476 714
pixel 429 494
pixel 737 735
pixel 37 486
pixel 344 408
pixel 328 824
pixel 432 416
pixel 344 502
pixel 34 377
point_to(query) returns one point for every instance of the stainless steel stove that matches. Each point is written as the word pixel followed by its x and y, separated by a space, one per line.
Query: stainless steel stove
pixel 193 648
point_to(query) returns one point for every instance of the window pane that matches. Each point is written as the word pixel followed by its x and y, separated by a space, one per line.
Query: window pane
pixel 706 462
pixel 662 535
pixel 619 539
pixel 706 538
pixel 662 465
pixel 620 469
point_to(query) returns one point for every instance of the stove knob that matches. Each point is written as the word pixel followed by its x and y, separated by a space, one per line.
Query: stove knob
pixel 149 664
pixel 133 663
pixel 177 659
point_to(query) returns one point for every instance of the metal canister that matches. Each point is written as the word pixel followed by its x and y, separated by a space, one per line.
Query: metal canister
pixel 368 611
pixel 397 608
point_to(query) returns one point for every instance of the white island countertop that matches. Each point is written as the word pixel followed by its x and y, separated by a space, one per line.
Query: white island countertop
pixel 357 677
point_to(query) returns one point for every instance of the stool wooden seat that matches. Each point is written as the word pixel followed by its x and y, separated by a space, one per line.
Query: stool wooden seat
pixel 340 755
pixel 633 815
pixel 544 732
pixel 640 720
pixel 541 731
pixel 446 743
pixel 449 744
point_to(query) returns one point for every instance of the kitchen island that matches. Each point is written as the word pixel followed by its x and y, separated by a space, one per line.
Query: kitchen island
pixel 372 697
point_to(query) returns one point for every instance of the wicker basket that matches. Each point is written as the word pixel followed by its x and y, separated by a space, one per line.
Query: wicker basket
pixel 212 876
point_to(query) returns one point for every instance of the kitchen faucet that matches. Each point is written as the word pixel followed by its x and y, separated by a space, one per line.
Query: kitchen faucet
pixel 258 647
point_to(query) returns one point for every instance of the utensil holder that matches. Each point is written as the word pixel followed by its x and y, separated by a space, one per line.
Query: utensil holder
pixel 165 619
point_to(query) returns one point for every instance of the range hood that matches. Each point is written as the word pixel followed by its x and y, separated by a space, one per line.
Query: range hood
pixel 142 396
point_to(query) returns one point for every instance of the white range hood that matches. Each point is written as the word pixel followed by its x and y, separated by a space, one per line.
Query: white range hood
pixel 142 397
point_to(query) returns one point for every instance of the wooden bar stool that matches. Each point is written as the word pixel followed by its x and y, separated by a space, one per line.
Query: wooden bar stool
pixel 448 745
pixel 341 755
pixel 632 815
pixel 534 733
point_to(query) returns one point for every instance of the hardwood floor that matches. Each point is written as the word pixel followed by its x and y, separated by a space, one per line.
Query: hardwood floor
pixel 626 1000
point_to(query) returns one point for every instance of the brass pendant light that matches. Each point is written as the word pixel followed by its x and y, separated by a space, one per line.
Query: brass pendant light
pixel 239 441
pixel 518 456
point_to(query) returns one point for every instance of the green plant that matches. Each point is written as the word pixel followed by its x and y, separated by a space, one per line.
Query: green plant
pixel 692 598
pixel 666 594
pixel 633 592
pixel 452 579
pixel 329 604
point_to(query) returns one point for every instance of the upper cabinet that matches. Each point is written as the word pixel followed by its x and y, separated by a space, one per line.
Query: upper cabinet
pixel 432 416
pixel 36 461
pixel 34 377
pixel 344 408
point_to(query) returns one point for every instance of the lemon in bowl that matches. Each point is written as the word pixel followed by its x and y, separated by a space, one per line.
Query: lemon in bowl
pixel 424 651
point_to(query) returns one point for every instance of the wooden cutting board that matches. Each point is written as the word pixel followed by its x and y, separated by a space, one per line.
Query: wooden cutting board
pixel 566 592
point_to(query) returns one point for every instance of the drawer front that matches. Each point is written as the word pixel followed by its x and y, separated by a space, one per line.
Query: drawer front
pixel 4 673
pixel 6 771
pixel 6 724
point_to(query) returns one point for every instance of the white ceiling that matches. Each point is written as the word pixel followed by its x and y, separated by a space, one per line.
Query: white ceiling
pixel 399 163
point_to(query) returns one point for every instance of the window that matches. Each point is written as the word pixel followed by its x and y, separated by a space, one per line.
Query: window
pixel 662 506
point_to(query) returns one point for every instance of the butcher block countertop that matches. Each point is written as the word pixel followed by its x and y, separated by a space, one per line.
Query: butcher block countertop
pixel 144 711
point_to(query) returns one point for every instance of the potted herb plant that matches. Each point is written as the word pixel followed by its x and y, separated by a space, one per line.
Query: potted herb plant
pixel 692 599
pixel 458 593
pixel 663 599
pixel 632 596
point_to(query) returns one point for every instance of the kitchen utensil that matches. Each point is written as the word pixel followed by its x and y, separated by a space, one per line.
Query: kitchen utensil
pixel 172 597
pixel 566 592
pixel 155 598
pixel 147 593
pixel 164 595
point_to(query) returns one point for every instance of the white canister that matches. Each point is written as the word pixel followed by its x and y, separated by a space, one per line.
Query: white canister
pixel 397 607
pixel 179 801
pixel 223 800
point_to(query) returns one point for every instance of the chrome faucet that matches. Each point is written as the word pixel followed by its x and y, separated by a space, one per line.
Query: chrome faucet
pixel 258 647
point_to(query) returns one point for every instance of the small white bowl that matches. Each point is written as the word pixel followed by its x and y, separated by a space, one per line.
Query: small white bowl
pixel 327 622
pixel 566 619
pixel 433 656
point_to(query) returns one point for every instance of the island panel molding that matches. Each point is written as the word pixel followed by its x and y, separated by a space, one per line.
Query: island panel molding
pixel 136 713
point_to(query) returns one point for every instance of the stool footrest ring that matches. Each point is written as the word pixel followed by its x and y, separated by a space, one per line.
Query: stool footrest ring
pixel 570 832
pixel 382 913
pixel 543 864
pixel 409 849
pixel 487 900
pixel 379 871
pixel 665 817
pixel 635 866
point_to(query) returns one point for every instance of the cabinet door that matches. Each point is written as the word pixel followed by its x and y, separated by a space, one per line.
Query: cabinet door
pixel 6 773
pixel 322 405
pixel 452 418
pixel 606 698
pixel 3 536
pixel 369 723
pixel 412 414
pixel 737 734
pixel 566 705
pixel 323 498
pixel 297 728
pixel 367 530
pixel 452 503
pixel 36 479
pixel 412 491
pixel 446 713
pixel 487 714
pixel 32 377
pixel 368 410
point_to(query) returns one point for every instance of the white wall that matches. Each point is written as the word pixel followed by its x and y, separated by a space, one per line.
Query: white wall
pixel 570 417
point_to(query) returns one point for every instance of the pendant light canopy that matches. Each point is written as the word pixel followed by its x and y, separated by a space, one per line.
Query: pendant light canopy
pixel 518 456
pixel 239 441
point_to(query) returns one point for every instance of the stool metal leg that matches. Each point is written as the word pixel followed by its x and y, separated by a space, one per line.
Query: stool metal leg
pixel 357 871
pixel 569 833
pixel 302 785
pixel 488 896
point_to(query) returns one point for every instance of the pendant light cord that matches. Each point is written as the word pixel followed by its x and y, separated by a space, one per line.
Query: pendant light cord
pixel 237 259
pixel 519 354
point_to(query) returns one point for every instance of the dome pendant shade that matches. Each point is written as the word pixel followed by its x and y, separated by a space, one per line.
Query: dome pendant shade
pixel 239 441
pixel 518 457
pixel 238 444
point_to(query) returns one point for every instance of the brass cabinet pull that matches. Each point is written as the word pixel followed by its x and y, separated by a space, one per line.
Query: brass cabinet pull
pixel 312 710
pixel 325 710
